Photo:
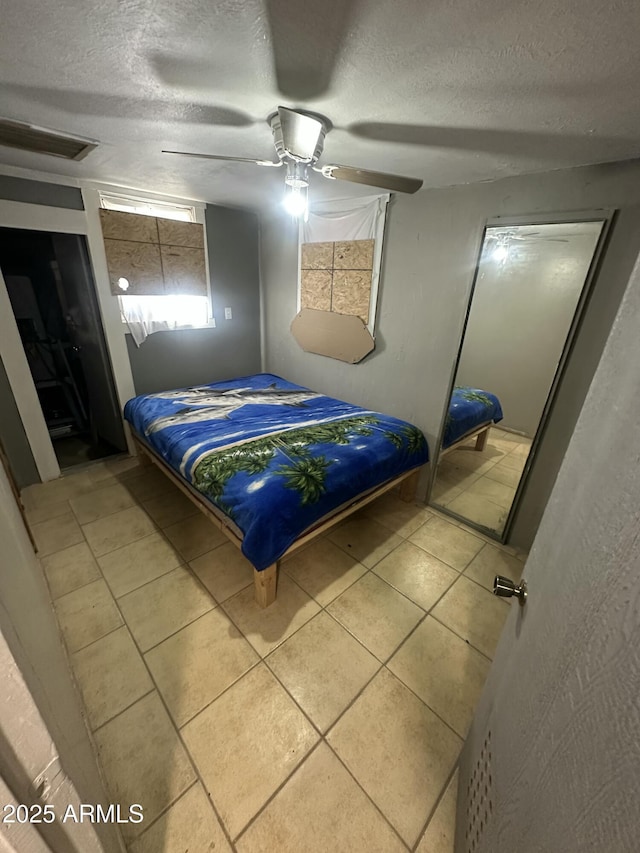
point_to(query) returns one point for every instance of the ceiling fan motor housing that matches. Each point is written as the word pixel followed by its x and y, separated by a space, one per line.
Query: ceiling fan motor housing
pixel 296 136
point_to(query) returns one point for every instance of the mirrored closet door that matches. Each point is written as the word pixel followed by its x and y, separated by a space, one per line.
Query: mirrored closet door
pixel 528 288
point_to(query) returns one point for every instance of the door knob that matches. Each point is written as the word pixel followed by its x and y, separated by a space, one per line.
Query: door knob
pixel 506 588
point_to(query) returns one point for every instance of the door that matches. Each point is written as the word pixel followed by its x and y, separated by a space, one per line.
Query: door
pixel 552 760
pixel 85 329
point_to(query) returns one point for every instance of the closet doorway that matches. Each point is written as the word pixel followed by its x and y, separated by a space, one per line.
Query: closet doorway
pixel 51 289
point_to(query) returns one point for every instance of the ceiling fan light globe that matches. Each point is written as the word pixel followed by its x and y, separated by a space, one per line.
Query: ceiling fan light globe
pixel 295 202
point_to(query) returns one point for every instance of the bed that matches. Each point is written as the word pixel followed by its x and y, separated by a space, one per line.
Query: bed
pixel 274 464
pixel 471 413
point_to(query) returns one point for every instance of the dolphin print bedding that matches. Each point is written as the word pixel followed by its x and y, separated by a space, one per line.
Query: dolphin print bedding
pixel 469 408
pixel 273 456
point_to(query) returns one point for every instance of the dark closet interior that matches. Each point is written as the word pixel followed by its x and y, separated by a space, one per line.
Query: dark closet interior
pixel 50 285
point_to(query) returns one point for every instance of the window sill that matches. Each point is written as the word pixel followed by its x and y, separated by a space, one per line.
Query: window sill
pixel 210 325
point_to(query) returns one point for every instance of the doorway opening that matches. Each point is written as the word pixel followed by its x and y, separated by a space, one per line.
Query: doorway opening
pixel 50 285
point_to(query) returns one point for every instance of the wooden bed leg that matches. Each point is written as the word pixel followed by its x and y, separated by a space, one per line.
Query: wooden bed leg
pixel 409 487
pixel 264 585
pixel 481 440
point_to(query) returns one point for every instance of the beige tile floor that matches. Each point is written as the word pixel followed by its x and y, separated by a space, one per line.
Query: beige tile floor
pixel 481 485
pixel 333 720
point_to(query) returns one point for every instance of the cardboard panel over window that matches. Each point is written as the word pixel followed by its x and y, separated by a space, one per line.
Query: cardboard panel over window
pixel 315 289
pixel 184 270
pixel 353 255
pixel 340 336
pixel 317 256
pixel 117 225
pixel 337 277
pixel 351 293
pixel 138 263
pixel 173 232
pixel 158 257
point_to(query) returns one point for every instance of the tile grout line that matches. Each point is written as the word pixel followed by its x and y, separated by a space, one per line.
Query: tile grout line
pixel 142 585
pixel 119 713
pixel 153 580
pixel 322 736
pixel 321 740
pixel 78 691
pixel 277 790
pixel 264 659
pixel 440 798
pixel 383 663
pixel 177 732
pixel 220 603
pixel 427 614
pixel 368 796
pixel 164 811
pixel 253 666
pixel 497 462
pixel 464 639
pixel 155 689
pixel 97 639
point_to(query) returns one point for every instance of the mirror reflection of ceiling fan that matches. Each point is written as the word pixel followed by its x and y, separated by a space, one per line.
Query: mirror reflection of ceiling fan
pixel 526 236
pixel 499 245
pixel 299 139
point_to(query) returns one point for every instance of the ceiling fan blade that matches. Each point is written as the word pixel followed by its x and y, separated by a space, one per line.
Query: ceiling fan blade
pixel 300 133
pixel 221 157
pixel 536 144
pixel 87 103
pixel 307 40
pixel 395 183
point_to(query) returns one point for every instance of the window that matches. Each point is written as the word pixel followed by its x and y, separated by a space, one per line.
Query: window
pixel 157 268
pixel 147 207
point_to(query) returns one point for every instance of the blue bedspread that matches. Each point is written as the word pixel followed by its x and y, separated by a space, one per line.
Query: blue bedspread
pixel 275 457
pixel 469 408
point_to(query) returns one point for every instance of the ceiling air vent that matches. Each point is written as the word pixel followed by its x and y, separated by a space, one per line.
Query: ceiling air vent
pixel 26 137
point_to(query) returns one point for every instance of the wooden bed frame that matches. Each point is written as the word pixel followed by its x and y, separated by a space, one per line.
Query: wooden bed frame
pixel 481 432
pixel 265 582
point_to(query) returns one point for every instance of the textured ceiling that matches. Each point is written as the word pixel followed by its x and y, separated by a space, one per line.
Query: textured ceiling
pixel 450 92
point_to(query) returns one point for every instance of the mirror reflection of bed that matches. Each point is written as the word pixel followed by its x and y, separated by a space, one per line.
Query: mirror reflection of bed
pixel 527 296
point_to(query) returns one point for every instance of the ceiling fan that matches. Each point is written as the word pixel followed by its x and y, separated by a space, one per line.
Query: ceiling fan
pixel 508 236
pixel 299 140
pixel 503 242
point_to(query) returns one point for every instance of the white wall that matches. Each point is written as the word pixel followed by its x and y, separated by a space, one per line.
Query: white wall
pixel 29 627
pixel 520 316
pixel 432 244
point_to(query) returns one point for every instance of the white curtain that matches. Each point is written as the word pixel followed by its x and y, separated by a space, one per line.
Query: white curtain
pixel 349 219
pixel 145 315
pixel 346 219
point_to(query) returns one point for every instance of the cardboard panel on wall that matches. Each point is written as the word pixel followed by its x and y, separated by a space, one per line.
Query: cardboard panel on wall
pixel 340 336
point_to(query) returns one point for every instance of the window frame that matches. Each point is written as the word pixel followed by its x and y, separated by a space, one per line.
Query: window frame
pixel 130 202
